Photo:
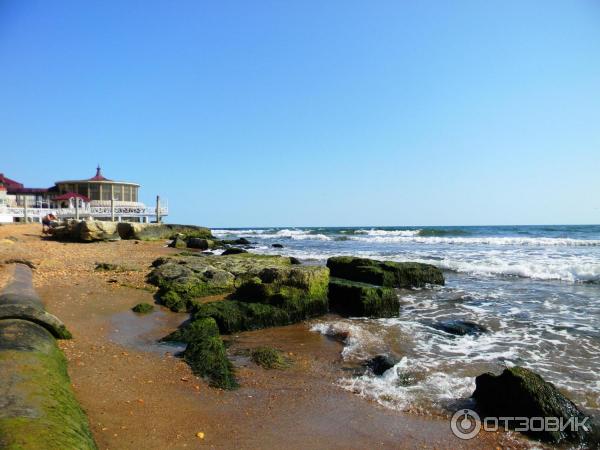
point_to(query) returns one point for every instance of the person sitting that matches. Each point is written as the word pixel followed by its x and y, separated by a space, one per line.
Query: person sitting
pixel 48 222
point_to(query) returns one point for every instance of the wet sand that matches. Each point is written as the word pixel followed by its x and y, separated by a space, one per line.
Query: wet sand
pixel 137 394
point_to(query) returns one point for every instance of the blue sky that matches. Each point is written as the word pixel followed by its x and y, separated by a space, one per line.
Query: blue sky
pixel 292 113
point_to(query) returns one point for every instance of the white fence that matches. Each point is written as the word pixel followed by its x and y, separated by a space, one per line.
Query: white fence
pixel 94 211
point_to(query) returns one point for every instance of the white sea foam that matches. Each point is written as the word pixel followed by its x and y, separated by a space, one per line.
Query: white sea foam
pixel 500 241
pixel 359 343
pixel 376 232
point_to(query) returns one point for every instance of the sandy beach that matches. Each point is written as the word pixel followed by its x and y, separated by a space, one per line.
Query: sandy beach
pixel 137 394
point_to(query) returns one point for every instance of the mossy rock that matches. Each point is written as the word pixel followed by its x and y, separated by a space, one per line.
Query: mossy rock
pixel 354 299
pixel 200 244
pixel 205 353
pixel 183 278
pixel 178 242
pixel 232 316
pixel 39 408
pixel 269 358
pixel 160 231
pixel 519 392
pixel 385 273
pixel 143 308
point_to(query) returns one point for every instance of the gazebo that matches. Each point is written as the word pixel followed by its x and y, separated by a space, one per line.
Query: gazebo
pixel 99 191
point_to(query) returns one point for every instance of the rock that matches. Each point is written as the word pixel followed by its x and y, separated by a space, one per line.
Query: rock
pixel 380 364
pixel 354 299
pixel 206 355
pixel 232 316
pixel 108 267
pixel 295 261
pixel 97 230
pixel 158 231
pixel 269 358
pixel 200 244
pixel 459 327
pixel 300 291
pixel 384 273
pixel 178 242
pixel 276 245
pixel 240 241
pixel 143 308
pixel 233 251
pixel 183 278
pixel 519 392
pixel 86 231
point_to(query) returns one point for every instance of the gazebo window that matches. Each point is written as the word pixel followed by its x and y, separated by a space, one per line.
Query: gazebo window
pixel 105 192
pixel 94 192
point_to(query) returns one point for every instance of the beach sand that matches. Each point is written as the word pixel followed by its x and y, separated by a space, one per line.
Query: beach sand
pixel 138 395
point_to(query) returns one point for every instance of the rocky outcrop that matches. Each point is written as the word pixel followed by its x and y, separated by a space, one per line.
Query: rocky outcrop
pixel 159 231
pixel 354 299
pixel 384 273
pixel 258 278
pixel 519 392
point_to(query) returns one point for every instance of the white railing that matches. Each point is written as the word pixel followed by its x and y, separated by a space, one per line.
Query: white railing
pixel 94 211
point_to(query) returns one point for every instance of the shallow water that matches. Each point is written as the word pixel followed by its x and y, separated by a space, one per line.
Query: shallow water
pixel 536 289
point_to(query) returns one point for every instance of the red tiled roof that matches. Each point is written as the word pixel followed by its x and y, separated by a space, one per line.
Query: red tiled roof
pixel 98 176
pixel 70 195
pixel 10 184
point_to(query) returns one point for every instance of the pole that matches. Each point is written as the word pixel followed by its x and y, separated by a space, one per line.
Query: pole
pixel 158 209
pixel 112 209
pixel 76 208
pixel 25 209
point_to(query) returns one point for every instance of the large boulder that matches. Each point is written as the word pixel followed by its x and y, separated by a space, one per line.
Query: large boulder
pixel 354 299
pixel 86 231
pixel 300 291
pixel 519 392
pixel 200 243
pixel 159 231
pixel 385 273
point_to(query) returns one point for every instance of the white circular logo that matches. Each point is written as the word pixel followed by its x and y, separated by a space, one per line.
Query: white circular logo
pixel 465 424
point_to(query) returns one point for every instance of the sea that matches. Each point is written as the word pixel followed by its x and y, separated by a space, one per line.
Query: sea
pixel 535 289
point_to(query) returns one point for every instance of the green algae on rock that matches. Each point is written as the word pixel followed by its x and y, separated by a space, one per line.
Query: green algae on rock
pixel 143 308
pixel 385 273
pixel 351 298
pixel 205 352
pixel 520 393
pixel 269 358
pixel 39 408
pixel 184 278
pixel 158 231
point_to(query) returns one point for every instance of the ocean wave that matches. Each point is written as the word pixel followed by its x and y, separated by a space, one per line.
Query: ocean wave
pixel 443 232
pixel 566 270
pixel 272 233
pixel 378 232
pixel 499 241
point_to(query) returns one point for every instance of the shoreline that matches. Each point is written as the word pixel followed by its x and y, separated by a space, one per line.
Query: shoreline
pixel 136 396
